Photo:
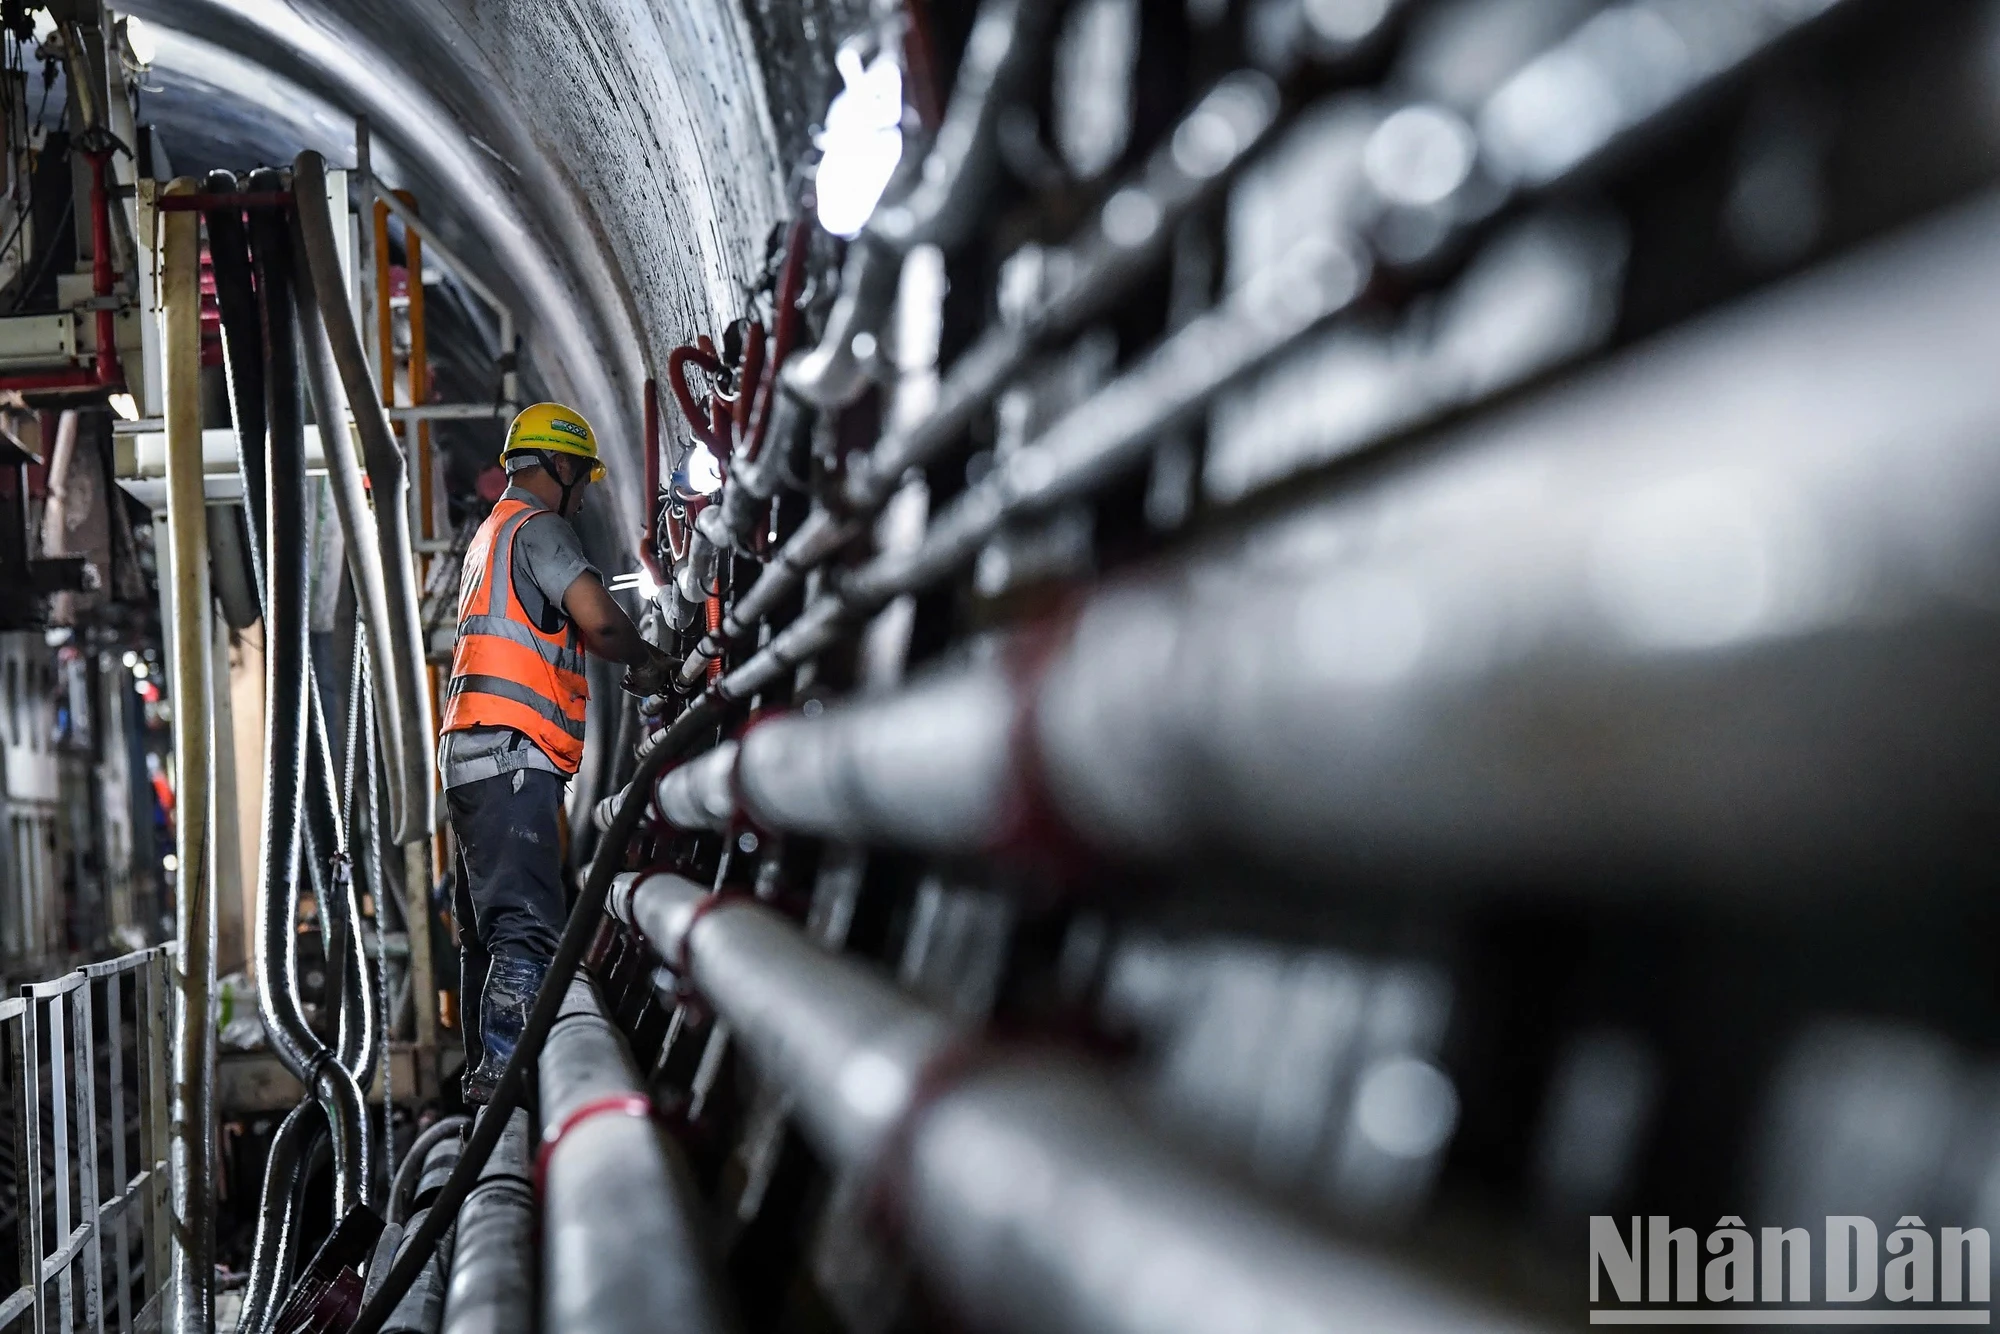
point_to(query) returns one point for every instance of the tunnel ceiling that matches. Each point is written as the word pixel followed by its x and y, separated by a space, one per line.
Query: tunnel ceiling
pixel 613 167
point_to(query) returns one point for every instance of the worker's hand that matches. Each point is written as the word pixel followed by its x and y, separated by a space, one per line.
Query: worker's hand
pixel 654 676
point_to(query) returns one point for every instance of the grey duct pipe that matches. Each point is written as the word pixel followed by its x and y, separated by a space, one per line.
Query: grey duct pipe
pixel 287 715
pixel 299 1150
pixel 362 539
pixel 1563 643
pixel 408 728
pixel 695 723
pixel 834 372
pixel 422 1308
pixel 1201 152
pixel 623 1240
pixel 492 1289
pixel 1028 1196
pixel 360 1043
pixel 243 365
pixel 1116 428
pixel 357 1041
pixel 407 1176
pixel 1109 433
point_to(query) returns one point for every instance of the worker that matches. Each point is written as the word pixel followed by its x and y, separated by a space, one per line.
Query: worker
pixel 530 604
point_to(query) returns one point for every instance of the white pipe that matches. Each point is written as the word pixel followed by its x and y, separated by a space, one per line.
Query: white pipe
pixel 362 538
pixel 187 540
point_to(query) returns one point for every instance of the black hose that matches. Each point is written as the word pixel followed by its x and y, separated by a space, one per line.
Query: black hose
pixel 242 359
pixel 327 842
pixel 692 726
pixel 319 1150
pixel 283 1164
pixel 363 855
pixel 412 1169
pixel 287 713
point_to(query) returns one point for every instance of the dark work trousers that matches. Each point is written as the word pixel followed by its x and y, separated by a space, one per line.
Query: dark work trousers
pixel 508 897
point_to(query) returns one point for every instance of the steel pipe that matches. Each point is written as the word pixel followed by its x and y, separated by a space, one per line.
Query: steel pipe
pixel 623 1237
pixel 192 1292
pixel 834 372
pixel 1027 1194
pixel 492 1288
pixel 408 739
pixel 1721 604
pixel 1110 433
pixel 1202 150
pixel 287 716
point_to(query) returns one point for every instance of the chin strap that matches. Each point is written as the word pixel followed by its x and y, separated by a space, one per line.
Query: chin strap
pixel 548 461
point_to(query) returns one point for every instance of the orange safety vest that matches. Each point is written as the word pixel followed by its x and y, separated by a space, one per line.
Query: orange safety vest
pixel 505 670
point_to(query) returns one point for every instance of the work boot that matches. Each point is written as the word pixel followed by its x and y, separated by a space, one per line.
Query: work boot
pixel 511 985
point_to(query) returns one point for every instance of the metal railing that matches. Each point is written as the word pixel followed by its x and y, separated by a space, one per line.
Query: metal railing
pixel 86 1073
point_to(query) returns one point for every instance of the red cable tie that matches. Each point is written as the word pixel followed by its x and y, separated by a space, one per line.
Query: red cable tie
pixel 947 1068
pixel 1032 825
pixel 625 1104
pixel 680 963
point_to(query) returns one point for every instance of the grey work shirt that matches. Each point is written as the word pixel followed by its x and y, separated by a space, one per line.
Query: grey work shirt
pixel 548 557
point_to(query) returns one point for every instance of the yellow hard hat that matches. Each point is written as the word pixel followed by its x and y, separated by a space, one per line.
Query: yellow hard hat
pixel 552 426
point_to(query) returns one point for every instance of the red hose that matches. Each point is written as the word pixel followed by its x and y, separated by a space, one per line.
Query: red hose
pixel 649 551
pixel 714 609
pixel 109 372
pixel 698 419
pixel 784 332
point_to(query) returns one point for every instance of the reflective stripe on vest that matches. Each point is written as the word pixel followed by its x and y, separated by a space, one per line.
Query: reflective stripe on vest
pixel 505 671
